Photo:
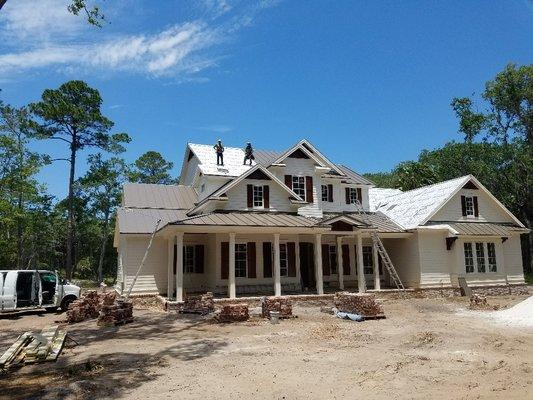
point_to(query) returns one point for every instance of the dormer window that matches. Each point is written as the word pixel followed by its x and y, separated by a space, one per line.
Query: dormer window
pixel 298 186
pixel 259 199
pixel 327 193
pixel 353 195
pixel 469 206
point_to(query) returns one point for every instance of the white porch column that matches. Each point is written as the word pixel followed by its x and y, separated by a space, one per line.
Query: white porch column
pixel 170 266
pixel 375 256
pixel 231 276
pixel 318 264
pixel 277 266
pixel 360 269
pixel 179 266
pixel 340 267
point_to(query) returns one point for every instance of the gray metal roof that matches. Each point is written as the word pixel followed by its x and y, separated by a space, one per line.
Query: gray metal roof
pixel 141 195
pixel 378 220
pixel 268 219
pixel 135 220
pixel 483 228
pixel 354 176
pixel 266 157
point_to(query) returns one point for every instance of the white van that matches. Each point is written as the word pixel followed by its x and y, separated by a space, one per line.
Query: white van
pixel 34 289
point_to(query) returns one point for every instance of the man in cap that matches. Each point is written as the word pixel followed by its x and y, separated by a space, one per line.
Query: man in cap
pixel 248 153
pixel 220 152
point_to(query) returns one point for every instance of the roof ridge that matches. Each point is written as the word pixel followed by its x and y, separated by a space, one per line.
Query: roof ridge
pixel 431 185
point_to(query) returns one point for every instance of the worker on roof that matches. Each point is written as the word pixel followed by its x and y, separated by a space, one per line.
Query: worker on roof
pixel 248 153
pixel 220 152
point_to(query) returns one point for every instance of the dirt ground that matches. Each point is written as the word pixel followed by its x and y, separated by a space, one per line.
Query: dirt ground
pixel 422 350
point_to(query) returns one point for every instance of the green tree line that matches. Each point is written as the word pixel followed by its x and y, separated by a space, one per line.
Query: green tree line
pixel 72 234
pixel 496 147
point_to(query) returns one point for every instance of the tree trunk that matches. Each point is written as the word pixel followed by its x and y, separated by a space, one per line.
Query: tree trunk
pixel 70 225
pixel 103 246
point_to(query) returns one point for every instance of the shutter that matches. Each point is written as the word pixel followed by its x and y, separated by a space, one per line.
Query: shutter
pixel 266 196
pixel 309 189
pixel 288 181
pixel 250 196
pixel 224 260
pixel 476 209
pixel 175 258
pixel 250 253
pixel 330 193
pixel 325 259
pixel 291 258
pixel 360 195
pixel 463 205
pixel 199 258
pixel 347 195
pixel 346 259
pixel 267 259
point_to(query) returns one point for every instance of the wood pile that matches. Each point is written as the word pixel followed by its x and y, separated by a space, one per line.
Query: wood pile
pixel 283 305
pixel 118 312
pixel 363 304
pixel 234 313
pixel 202 304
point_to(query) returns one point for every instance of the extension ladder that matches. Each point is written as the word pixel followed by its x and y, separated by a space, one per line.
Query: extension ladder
pixel 376 241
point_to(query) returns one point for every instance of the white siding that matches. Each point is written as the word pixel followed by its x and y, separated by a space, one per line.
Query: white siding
pixel 153 276
pixel 339 197
pixel 191 168
pixel 404 254
pixel 279 198
pixel 435 261
pixel 489 210
pixel 512 256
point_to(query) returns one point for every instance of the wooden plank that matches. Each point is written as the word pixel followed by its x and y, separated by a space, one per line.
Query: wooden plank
pixel 15 349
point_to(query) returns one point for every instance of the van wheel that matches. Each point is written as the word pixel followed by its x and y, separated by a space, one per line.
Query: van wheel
pixel 51 309
pixel 66 302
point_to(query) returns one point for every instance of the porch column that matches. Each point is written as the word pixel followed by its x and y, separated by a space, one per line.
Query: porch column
pixel 231 277
pixel 179 266
pixel 360 269
pixel 340 267
pixel 277 266
pixel 170 266
pixel 318 264
pixel 375 256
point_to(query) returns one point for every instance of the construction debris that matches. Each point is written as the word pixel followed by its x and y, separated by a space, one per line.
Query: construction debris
pixel 479 302
pixel 234 313
pixel 117 313
pixel 201 304
pixel 363 304
pixel 31 347
pixel 282 305
pixel 89 306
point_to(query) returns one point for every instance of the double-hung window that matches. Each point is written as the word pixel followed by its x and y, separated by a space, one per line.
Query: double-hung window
pixel 480 257
pixel 188 259
pixel 333 259
pixel 469 258
pixel 325 193
pixel 298 185
pixel 491 251
pixel 368 262
pixel 353 196
pixel 283 260
pixel 241 260
pixel 469 205
pixel 259 200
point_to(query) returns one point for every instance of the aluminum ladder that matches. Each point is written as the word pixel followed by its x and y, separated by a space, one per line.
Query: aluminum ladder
pixel 376 241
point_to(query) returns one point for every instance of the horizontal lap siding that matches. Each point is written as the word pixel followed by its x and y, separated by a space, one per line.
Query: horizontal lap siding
pixel 436 263
pixel 405 257
pixel 279 198
pixel 153 276
pixel 513 260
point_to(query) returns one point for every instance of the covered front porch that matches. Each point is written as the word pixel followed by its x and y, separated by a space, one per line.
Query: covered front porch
pixel 250 262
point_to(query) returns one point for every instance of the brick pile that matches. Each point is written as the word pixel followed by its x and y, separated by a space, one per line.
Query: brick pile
pixel 88 306
pixel 357 303
pixel 234 313
pixel 479 302
pixel 117 312
pixel 281 304
pixel 202 304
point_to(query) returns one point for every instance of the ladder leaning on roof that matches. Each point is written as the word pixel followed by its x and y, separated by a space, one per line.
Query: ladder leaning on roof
pixel 376 241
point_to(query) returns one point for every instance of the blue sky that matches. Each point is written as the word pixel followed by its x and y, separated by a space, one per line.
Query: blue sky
pixel 369 83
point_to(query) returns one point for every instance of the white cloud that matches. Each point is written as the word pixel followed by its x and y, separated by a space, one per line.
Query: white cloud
pixel 45 35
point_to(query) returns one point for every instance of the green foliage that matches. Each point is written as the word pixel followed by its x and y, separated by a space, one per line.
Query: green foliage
pixel 94 15
pixel 151 167
pixel 383 179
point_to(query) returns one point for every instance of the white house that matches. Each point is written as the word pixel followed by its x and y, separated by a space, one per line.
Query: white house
pixel 288 224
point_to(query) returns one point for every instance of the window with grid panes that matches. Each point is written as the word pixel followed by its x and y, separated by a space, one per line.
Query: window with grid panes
pixel 241 260
pixel 480 257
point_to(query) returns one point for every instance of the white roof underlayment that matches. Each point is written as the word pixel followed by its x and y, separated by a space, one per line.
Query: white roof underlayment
pixel 411 209
pixel 233 160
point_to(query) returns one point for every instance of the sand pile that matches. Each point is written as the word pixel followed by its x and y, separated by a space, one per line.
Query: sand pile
pixel 519 315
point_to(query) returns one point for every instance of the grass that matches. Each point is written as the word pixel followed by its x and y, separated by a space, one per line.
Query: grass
pixel 529 278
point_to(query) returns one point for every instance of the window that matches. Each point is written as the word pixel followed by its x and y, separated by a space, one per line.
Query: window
pixel 368 263
pixel 283 260
pixel 240 260
pixel 188 259
pixel 202 188
pixel 469 258
pixel 333 259
pixel 480 257
pixel 325 193
pixel 491 251
pixel 298 186
pixel 469 205
pixel 353 195
pixel 258 196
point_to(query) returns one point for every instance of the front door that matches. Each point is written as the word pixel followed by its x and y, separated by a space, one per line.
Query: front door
pixel 307 266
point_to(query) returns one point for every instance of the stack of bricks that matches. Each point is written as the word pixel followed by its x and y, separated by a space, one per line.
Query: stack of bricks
pixel 357 303
pixel 203 304
pixel 281 304
pixel 234 313
pixel 86 307
pixel 118 312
